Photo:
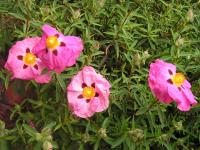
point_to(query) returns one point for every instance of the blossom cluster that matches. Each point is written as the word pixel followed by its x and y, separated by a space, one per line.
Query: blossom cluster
pixel 34 58
pixel 88 92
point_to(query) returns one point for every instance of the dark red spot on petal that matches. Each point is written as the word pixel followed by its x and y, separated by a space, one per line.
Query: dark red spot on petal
pixel 97 94
pixel 170 81
pixel 57 35
pixel 80 96
pixel 20 57
pixel 87 100
pixel 25 66
pixel 55 52
pixel 84 85
pixel 62 44
pixel 46 50
pixel 28 50
pixel 93 85
pixel 179 88
pixel 36 66
pixel 170 72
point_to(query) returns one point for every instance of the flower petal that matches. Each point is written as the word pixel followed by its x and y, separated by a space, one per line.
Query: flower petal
pixel 188 94
pixel 79 107
pixel 44 78
pixel 76 83
pixel 49 30
pixel 182 102
pixel 75 44
pixel 89 75
pixel 187 84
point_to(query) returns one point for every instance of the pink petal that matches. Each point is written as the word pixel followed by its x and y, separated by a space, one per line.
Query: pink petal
pixel 76 83
pixel 41 45
pixel 101 102
pixel 159 73
pixel 182 103
pixel 75 44
pixel 188 95
pixel 49 30
pixel 89 75
pixel 102 87
pixel 44 78
pixel 79 106
pixel 187 84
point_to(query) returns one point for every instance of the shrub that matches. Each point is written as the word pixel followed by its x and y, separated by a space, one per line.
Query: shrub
pixel 121 38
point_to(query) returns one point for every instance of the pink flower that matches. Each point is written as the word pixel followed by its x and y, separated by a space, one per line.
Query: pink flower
pixel 88 93
pixel 24 64
pixel 56 50
pixel 167 85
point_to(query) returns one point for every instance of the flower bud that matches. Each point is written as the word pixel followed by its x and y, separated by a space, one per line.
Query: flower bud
pixel 101 3
pixel 38 137
pixel 136 134
pixel 47 145
pixel 77 14
pixel 164 137
pixel 3 131
pixel 190 15
pixel 102 133
pixel 178 125
pixel 179 42
pixel 137 59
pixel 86 138
pixel 146 54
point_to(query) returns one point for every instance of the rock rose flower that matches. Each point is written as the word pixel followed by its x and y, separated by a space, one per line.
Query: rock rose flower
pixel 168 85
pixel 56 50
pixel 88 93
pixel 24 64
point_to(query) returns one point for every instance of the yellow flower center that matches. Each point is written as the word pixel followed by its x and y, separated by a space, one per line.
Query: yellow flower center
pixel 52 42
pixel 88 92
pixel 29 59
pixel 178 79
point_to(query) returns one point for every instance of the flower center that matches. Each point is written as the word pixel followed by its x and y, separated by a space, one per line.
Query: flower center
pixel 88 92
pixel 178 79
pixel 29 59
pixel 52 42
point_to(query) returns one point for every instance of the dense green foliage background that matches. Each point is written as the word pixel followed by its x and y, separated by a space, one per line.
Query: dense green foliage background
pixel 121 39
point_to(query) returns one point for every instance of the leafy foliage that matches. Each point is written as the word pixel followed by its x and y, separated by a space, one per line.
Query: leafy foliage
pixel 121 39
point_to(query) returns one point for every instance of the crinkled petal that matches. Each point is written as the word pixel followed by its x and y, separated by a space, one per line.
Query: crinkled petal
pixel 89 75
pixel 49 30
pixel 187 84
pixel 101 102
pixel 44 78
pixel 182 103
pixel 74 44
pixel 188 94
pixel 79 106
pixel 41 45
pixel 159 73
pixel 76 83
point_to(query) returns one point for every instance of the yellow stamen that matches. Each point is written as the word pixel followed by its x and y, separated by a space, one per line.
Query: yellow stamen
pixel 52 42
pixel 29 59
pixel 88 92
pixel 178 79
